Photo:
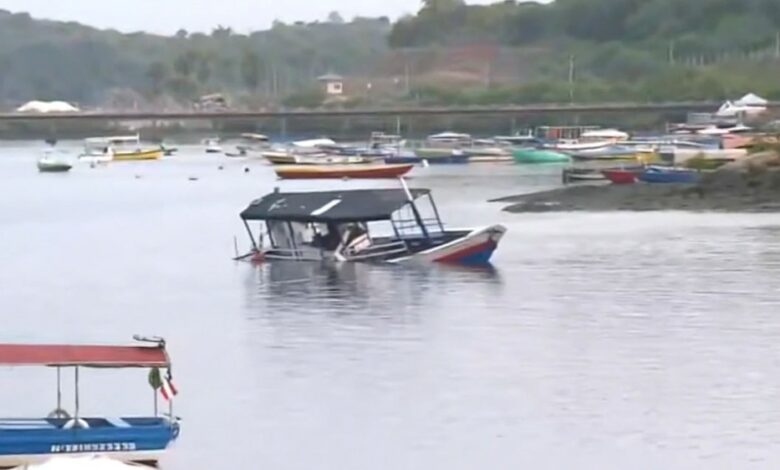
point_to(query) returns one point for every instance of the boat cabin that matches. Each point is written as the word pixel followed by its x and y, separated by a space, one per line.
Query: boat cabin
pixel 143 439
pixel 368 224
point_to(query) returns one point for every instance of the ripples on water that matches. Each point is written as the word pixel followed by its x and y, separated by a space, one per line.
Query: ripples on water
pixel 635 340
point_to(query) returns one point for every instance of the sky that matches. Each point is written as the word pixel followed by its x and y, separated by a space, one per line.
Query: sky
pixel 168 16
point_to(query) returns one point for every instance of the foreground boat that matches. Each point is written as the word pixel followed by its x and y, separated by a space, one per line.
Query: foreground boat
pixel 369 225
pixel 342 171
pixel 25 441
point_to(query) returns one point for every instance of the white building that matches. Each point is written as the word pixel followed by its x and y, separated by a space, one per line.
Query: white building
pixel 333 84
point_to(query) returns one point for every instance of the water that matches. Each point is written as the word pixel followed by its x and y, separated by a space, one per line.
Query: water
pixel 646 340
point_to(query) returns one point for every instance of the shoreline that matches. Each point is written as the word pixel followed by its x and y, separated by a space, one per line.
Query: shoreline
pixel 752 185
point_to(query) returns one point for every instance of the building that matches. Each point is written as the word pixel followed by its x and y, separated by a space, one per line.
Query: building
pixel 333 85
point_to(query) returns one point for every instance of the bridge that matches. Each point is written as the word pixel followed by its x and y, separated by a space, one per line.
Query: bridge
pixel 508 111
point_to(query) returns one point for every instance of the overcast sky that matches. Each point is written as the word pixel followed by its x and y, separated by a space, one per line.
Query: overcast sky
pixel 167 16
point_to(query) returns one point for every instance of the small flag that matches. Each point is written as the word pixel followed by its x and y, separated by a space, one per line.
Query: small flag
pixel 168 389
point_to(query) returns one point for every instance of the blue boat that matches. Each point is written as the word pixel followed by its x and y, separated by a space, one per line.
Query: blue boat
pixel 143 440
pixel 655 174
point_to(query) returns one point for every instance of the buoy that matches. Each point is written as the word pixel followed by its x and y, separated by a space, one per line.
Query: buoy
pixel 246 169
pixel 193 178
pixel 220 167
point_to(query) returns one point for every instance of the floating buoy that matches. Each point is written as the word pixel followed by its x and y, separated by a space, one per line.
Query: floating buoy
pixel 220 168
pixel 138 177
pixel 246 169
pixel 193 178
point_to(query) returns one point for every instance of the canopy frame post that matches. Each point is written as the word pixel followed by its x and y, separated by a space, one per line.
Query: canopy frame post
pixel 76 395
pixel 59 388
pixel 436 212
pixel 251 235
pixel 417 216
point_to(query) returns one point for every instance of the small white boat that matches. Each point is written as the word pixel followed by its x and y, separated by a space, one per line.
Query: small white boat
pixel 52 162
pixel 212 146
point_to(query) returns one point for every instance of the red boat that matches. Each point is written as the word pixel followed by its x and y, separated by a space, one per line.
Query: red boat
pixel 341 171
pixel 620 176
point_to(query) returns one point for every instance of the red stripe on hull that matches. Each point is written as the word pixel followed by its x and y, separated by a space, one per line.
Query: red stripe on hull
pixel 457 256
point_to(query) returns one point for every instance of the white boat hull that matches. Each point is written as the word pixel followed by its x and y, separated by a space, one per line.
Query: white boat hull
pixel 149 457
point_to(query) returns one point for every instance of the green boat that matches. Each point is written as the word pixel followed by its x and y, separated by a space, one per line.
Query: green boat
pixel 530 155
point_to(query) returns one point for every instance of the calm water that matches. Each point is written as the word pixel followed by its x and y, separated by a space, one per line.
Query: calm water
pixel 599 340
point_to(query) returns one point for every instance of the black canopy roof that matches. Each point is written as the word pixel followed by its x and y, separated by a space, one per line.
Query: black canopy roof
pixel 330 206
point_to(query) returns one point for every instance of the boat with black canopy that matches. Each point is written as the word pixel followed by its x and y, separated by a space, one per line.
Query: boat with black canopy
pixel 25 441
pixel 368 225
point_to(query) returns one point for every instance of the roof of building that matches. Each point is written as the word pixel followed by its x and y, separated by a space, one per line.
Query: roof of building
pixel 330 77
pixel 361 205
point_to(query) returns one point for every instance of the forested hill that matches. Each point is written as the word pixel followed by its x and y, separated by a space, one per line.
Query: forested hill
pixel 704 26
pixel 447 53
pixel 54 60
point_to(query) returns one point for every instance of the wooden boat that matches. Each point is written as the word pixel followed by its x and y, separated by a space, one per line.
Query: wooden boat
pixel 620 176
pixel 51 163
pixel 26 441
pixel 119 148
pixel 334 226
pixel 341 171
pixel 275 157
pixel 212 145
pixel 330 160
pixel 575 175
pixel 531 155
pixel 655 174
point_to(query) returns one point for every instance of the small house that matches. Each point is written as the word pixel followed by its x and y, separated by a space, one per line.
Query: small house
pixel 333 85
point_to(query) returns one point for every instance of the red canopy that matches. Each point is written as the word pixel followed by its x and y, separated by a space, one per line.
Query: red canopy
pixel 86 356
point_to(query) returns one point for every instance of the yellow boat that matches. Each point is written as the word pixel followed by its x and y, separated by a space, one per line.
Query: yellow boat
pixel 137 155
pixel 120 148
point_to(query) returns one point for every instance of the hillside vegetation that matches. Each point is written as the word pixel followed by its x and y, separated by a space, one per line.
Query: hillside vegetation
pixel 448 53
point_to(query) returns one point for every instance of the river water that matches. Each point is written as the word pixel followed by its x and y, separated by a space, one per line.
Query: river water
pixel 628 340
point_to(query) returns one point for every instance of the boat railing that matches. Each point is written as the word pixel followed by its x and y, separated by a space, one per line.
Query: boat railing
pixel 407 227
pixel 376 251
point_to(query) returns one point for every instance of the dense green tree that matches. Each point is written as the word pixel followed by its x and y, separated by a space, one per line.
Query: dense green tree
pixel 251 70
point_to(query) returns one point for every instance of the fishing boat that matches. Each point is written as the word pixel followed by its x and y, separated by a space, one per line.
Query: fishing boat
pixel 119 148
pixel 364 225
pixel 578 175
pixel 327 159
pixel 25 441
pixel 51 162
pixel 532 155
pixel 341 171
pixel 620 176
pixel 212 145
pixel 446 147
pixel 656 174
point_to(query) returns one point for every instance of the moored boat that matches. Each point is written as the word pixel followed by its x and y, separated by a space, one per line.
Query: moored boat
pixel 366 225
pixel 25 441
pixel 620 176
pixel 119 148
pixel 53 163
pixel 656 174
pixel 532 155
pixel 342 171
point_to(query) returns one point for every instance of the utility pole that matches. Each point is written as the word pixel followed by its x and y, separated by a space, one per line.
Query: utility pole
pixel 777 45
pixel 671 53
pixel 572 76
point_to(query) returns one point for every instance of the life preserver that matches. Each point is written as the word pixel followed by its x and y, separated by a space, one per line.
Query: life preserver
pixel 77 423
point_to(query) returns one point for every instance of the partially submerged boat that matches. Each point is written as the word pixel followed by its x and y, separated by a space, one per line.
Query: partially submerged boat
pixel 25 441
pixel 367 225
pixel 369 171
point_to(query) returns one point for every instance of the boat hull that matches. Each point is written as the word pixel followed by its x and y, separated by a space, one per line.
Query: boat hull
pixel 338 171
pixel 279 158
pixel 534 156
pixel 54 167
pixel 620 176
pixel 30 441
pixel 667 176
pixel 474 249
pixel 138 155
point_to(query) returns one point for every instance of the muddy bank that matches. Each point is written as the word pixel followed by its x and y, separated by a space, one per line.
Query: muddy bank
pixel 750 185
